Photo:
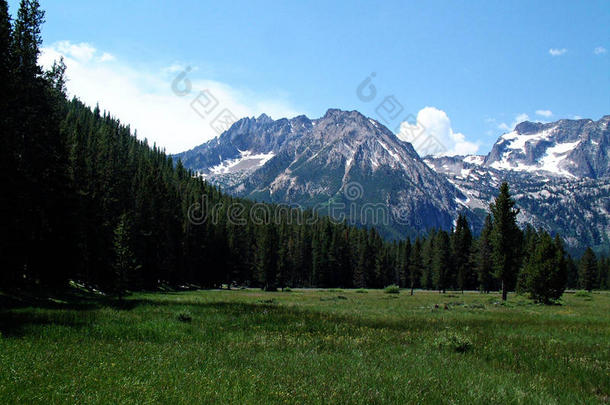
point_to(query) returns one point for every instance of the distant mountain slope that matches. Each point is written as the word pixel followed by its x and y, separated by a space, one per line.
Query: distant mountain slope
pixel 559 172
pixel 577 208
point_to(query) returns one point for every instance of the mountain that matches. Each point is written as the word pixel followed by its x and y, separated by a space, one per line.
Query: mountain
pixel 576 208
pixel 559 173
pixel 566 148
pixel 343 164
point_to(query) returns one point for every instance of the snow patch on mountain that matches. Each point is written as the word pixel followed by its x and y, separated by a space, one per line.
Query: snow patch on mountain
pixel 555 156
pixel 474 159
pixel 247 161
pixel 517 141
pixel 551 162
pixel 534 152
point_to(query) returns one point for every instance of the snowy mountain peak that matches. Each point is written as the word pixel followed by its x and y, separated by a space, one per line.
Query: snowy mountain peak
pixel 566 148
pixel 311 161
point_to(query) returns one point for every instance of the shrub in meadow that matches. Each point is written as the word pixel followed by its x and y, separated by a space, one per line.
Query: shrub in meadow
pixel 392 289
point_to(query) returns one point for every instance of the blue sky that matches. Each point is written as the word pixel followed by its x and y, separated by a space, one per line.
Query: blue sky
pixel 479 66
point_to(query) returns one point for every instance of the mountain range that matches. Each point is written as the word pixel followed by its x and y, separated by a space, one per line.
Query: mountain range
pixel 355 169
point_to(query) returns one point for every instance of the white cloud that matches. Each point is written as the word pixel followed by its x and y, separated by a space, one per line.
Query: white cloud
pixel 145 100
pixel 82 52
pixel 600 50
pixel 175 68
pixel 107 57
pixel 504 126
pixel 544 113
pixel 557 51
pixel 518 119
pixel 432 134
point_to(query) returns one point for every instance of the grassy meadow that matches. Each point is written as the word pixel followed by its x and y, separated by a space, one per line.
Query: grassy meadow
pixel 307 346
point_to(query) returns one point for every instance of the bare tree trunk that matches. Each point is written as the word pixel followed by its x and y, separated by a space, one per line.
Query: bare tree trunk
pixel 504 292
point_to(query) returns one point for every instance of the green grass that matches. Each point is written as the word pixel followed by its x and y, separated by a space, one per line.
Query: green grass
pixel 308 346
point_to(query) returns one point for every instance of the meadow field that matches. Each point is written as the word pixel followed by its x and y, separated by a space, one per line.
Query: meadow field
pixel 307 346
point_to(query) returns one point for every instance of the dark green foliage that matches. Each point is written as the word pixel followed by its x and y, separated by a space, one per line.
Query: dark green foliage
pixel 125 261
pixel 461 248
pixel 587 270
pixel 484 258
pixel 268 261
pixel 603 278
pixel 37 242
pixel 427 260
pixel 505 239
pixel 8 159
pixel 441 261
pixel 545 273
pixel 572 270
pixel 415 265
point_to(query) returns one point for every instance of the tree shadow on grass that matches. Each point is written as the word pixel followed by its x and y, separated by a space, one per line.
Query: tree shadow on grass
pixel 19 324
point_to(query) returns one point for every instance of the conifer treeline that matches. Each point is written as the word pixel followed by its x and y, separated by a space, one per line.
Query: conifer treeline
pixel 86 200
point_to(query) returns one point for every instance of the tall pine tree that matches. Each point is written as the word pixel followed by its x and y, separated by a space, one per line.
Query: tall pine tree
pixel 461 247
pixel 484 257
pixel 587 270
pixel 505 239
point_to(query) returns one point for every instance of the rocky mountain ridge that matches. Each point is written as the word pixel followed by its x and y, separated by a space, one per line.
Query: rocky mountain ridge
pixel 559 172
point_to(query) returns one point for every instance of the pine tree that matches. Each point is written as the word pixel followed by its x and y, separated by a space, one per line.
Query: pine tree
pixel 43 197
pixel 383 268
pixel 5 45
pixel 484 257
pixel 415 264
pixel 427 260
pixel 405 250
pixel 8 162
pixel 572 272
pixel 461 247
pixel 559 276
pixel 506 239
pixel 604 273
pixel 27 38
pixel 441 261
pixel 269 260
pixel 124 259
pixel 364 259
pixel 284 262
pixel 545 271
pixel 587 270
pixel 305 248
pixel 531 240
